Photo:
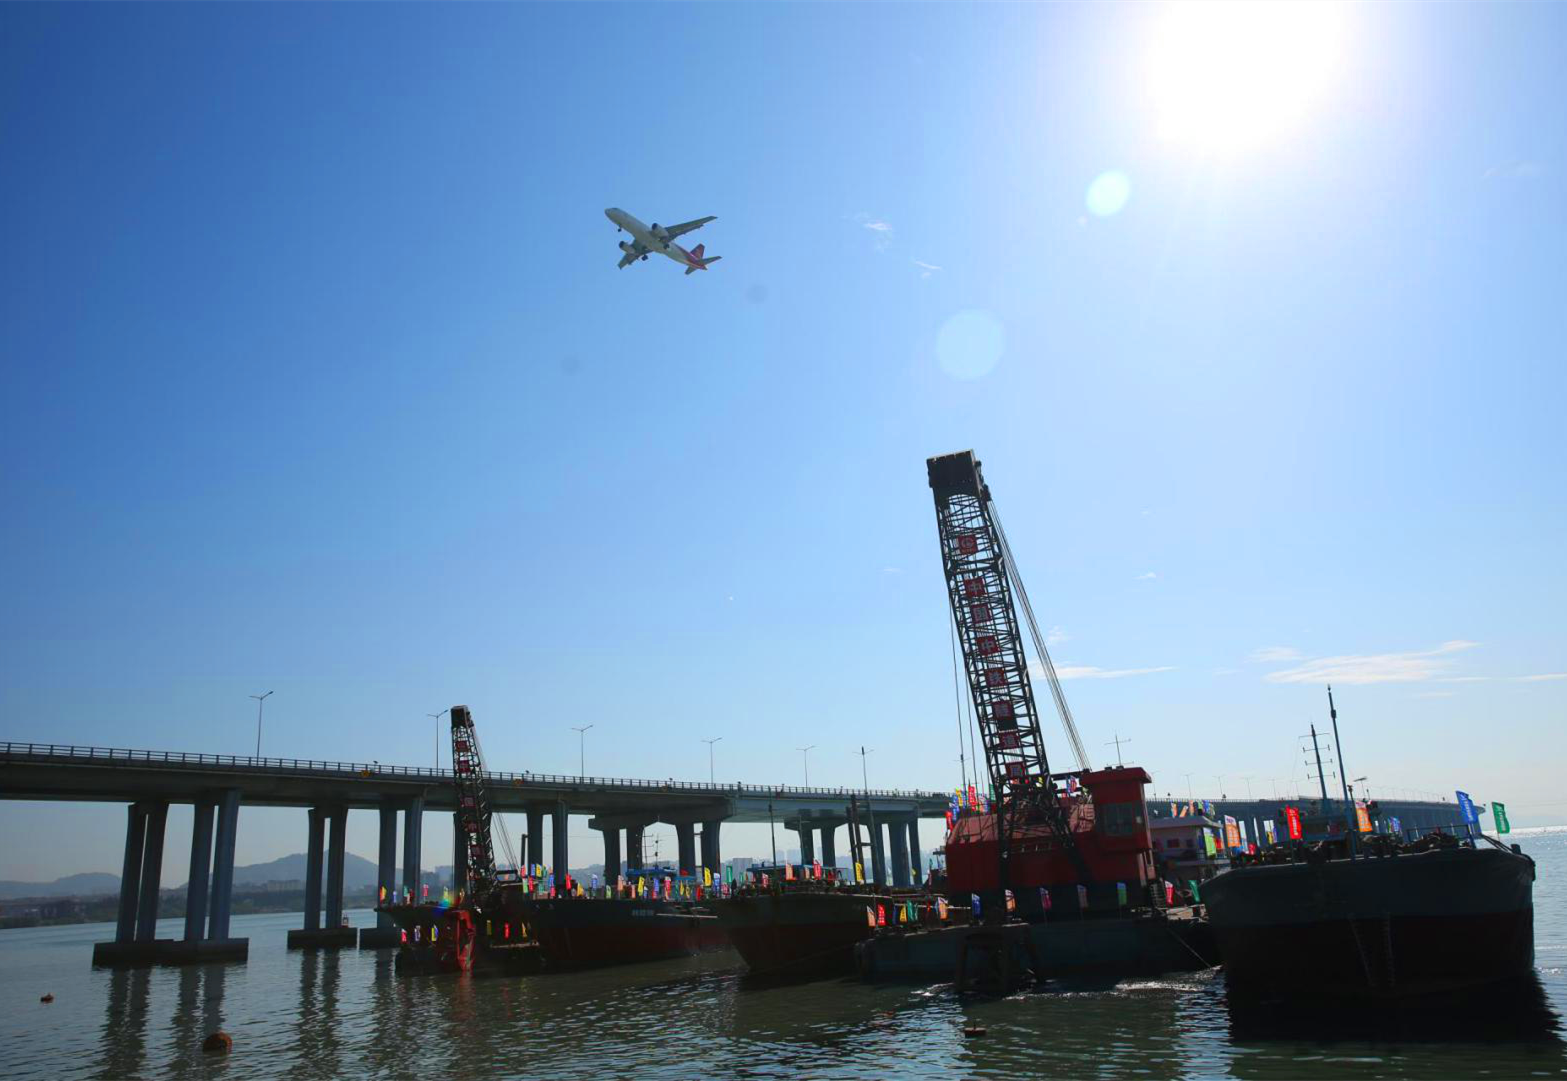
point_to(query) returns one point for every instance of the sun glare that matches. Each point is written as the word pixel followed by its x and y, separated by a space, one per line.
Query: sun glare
pixel 1225 75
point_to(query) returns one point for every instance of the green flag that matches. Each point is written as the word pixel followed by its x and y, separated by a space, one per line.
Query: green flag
pixel 1500 810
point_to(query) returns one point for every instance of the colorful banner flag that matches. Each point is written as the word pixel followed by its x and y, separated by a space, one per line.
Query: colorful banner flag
pixel 1120 893
pixel 1011 902
pixel 870 917
pixel 1044 898
pixel 1292 823
pixel 1232 833
pixel 941 908
pixel 881 915
pixel 973 904
pixel 859 873
pixel 1362 819
pixel 1500 811
pixel 1208 845
pixel 1196 893
pixel 1467 806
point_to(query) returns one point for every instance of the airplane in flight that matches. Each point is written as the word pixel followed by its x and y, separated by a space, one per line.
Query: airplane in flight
pixel 646 239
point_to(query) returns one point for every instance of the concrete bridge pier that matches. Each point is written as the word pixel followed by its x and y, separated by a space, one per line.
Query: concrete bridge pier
pixel 685 846
pixel 130 873
pixel 385 933
pixel 536 835
pixel 413 856
pixel 200 866
pixel 710 857
pixel 807 841
pixel 337 837
pixel 559 824
pixel 136 942
pixel 611 856
pixel 313 935
pixel 829 853
pixel 878 866
pixel 898 835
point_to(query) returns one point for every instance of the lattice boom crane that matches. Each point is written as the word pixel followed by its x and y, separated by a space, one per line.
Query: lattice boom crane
pixel 473 805
pixel 980 579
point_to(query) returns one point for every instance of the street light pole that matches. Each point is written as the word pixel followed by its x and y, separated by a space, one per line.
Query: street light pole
pixel 582 752
pixel 710 743
pixel 436 717
pixel 805 757
pixel 260 704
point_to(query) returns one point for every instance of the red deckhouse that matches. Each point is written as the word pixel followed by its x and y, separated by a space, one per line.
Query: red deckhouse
pixel 1109 822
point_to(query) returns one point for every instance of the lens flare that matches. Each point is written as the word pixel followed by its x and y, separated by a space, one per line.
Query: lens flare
pixel 1108 193
pixel 969 345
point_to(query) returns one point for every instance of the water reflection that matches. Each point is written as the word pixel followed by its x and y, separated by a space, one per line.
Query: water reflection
pixel 316 1026
pixel 124 1038
pixel 1461 1037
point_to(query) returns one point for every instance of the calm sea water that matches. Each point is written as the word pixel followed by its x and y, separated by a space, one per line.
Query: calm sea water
pixel 305 1015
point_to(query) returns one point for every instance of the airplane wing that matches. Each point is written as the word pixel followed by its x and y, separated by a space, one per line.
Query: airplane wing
pixel 672 231
pixel 637 251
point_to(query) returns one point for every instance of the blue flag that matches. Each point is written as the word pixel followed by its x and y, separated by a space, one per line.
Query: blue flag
pixel 1467 805
pixel 974 904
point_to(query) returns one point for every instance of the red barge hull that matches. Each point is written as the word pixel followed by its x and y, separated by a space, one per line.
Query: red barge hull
pixel 797 935
pixel 588 933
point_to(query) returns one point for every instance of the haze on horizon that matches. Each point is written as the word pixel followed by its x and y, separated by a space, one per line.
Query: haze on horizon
pixel 319 378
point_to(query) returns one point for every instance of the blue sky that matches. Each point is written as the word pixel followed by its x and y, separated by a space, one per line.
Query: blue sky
pixel 319 378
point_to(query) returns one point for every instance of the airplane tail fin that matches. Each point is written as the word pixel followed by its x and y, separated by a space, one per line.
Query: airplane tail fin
pixel 700 262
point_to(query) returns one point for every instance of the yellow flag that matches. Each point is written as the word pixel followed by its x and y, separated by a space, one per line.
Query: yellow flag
pixel 859 876
pixel 707 876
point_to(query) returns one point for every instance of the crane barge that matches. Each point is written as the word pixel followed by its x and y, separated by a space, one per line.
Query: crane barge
pixel 1058 870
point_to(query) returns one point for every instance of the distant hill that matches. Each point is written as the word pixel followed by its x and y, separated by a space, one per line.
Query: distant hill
pixel 90 884
pixel 358 874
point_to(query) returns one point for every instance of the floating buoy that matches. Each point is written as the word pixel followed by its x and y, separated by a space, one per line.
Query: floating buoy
pixel 973 1030
pixel 47 998
pixel 219 1043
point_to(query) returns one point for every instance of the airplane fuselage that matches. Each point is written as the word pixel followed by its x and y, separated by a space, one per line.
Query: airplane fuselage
pixel 644 235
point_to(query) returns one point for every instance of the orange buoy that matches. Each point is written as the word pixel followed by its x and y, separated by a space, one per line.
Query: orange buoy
pixel 219 1043
pixel 47 998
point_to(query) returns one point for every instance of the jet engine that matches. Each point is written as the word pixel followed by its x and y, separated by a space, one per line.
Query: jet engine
pixel 624 246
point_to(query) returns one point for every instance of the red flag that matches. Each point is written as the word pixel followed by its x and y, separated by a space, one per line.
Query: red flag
pixel 881 915
pixel 1292 821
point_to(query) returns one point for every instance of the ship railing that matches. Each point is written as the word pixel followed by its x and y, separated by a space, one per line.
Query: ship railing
pixel 121 756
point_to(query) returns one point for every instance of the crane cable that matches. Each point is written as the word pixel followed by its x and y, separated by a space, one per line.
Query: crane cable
pixel 1079 752
pixel 495 816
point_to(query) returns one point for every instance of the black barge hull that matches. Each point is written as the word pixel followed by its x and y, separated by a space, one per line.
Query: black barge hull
pixel 1434 923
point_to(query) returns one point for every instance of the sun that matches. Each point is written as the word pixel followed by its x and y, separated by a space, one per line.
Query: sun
pixel 1228 74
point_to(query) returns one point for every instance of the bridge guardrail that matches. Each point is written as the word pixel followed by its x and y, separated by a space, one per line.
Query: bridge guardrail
pixel 320 767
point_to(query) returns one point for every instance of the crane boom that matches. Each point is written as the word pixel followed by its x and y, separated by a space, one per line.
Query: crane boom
pixel 473 805
pixel 980 578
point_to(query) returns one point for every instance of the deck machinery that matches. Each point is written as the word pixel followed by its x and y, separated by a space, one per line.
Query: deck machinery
pixel 1085 827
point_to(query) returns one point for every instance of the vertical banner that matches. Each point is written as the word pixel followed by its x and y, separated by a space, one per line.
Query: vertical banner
pixel 1232 833
pixel 1362 819
pixel 1467 806
pixel 1500 811
pixel 1292 823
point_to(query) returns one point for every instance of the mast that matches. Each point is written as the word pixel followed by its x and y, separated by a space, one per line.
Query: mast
pixel 1322 778
pixel 1343 773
